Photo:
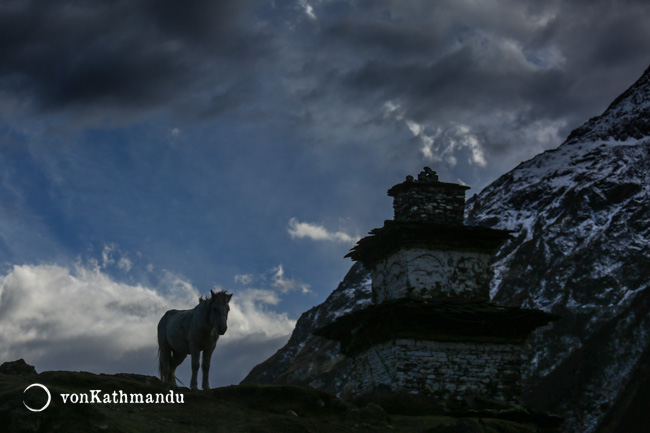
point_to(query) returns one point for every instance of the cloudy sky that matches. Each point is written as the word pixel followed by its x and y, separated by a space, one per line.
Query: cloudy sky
pixel 153 150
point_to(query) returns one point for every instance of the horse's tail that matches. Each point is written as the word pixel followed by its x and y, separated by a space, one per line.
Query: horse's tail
pixel 164 352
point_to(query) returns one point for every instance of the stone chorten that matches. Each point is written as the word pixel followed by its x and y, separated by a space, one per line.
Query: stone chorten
pixel 432 329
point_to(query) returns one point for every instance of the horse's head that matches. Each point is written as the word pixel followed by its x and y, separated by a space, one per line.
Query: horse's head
pixel 219 309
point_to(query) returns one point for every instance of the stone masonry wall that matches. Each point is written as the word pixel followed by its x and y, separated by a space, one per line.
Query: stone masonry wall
pixel 420 273
pixel 430 204
pixel 444 370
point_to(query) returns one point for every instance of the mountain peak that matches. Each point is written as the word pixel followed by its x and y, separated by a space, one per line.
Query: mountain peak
pixel 628 117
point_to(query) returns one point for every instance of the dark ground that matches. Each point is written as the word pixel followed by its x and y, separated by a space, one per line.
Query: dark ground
pixel 240 408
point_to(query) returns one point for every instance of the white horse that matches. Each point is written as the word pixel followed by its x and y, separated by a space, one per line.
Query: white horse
pixel 183 332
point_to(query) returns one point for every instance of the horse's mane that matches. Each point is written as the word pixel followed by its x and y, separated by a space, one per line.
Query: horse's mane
pixel 222 297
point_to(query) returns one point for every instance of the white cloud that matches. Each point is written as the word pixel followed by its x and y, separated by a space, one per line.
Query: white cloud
pixel 244 279
pixel 470 141
pixel 317 232
pixel 248 318
pixel 308 9
pixel 45 304
pixel 274 282
pixel 112 255
pixel 394 109
pixel 285 285
pixel 107 255
pixel 263 296
pixel 440 145
pixel 414 127
pixel 79 318
pixel 175 136
pixel 124 264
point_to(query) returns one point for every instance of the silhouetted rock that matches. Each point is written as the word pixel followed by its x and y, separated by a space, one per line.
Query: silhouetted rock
pixel 19 367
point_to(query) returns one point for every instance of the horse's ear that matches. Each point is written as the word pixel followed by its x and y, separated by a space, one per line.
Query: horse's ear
pixel 229 296
pixel 211 292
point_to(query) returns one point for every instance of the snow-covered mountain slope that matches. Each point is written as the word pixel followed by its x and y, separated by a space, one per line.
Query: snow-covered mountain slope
pixel 581 249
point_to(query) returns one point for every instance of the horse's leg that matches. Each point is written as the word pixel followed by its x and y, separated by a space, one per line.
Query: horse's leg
pixel 177 359
pixel 205 367
pixel 195 352
pixel 164 350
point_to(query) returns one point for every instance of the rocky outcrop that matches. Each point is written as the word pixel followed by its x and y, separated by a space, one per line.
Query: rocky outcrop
pixel 18 367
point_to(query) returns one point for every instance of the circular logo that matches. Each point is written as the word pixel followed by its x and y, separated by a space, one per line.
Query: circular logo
pixel 49 397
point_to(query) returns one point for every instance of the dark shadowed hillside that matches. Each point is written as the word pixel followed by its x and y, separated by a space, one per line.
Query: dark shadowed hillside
pixel 314 361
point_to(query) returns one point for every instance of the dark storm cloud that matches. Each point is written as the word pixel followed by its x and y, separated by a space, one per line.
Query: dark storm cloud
pixel 516 73
pixel 389 38
pixel 201 21
pixel 456 81
pixel 511 71
pixel 438 59
pixel 485 63
pixel 123 54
